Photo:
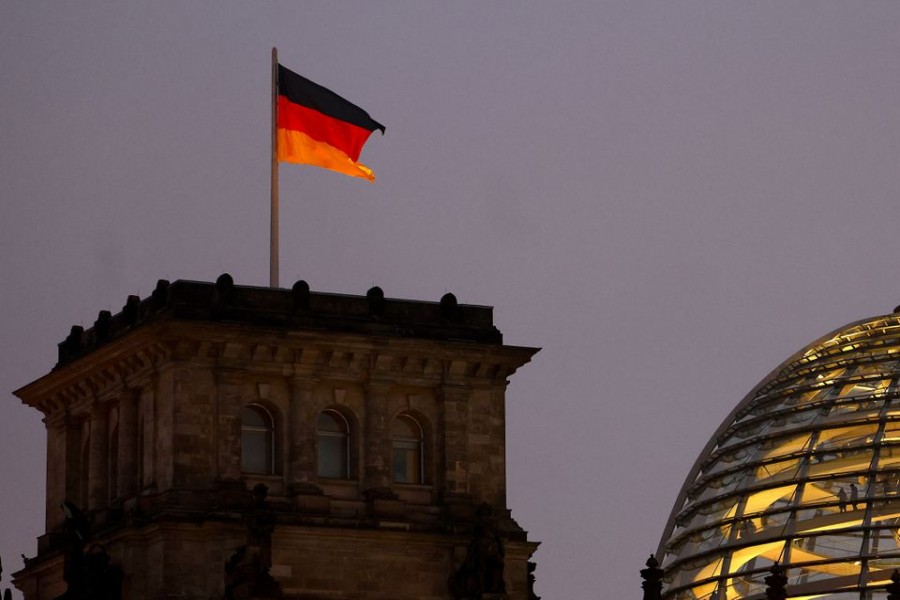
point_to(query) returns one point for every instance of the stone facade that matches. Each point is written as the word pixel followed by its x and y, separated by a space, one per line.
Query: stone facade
pixel 371 429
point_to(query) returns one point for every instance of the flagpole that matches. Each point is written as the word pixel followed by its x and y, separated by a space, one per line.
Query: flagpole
pixel 273 225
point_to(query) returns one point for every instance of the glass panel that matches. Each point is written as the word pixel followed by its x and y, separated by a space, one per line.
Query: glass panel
pixel 750 578
pixel 853 408
pixel 810 578
pixel 780 446
pixel 406 455
pixel 725 484
pixel 774 522
pixel 891 429
pixel 784 470
pixel 256 440
pixel 889 459
pixel 843 437
pixel 699 572
pixel 886 485
pixel 402 427
pixel 768 499
pixel 704 540
pixel 883 540
pixel 255 452
pixel 333 456
pixel 881 568
pixel 748 585
pixel 406 464
pixel 329 421
pixel 252 417
pixel 712 513
pixel 828 545
pixel 332 445
pixel 832 463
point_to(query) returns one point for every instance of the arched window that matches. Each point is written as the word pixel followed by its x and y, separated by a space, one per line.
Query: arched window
pixel 333 448
pixel 407 460
pixel 257 440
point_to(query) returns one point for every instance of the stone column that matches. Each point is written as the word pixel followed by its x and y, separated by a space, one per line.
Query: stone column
pixel 98 457
pixel 454 442
pixel 129 454
pixel 76 477
pixel 228 420
pixel 377 441
pixel 57 471
pixel 301 437
pixel 147 431
pixel 495 491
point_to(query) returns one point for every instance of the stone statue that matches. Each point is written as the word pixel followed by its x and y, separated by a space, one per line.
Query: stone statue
pixel 247 570
pixel 260 527
pixel 103 580
pixel 88 575
pixel 893 588
pixel 775 583
pixel 652 577
pixel 239 575
pixel 531 595
pixel 482 570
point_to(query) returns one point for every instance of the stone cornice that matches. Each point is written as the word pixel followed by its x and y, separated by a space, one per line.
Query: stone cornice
pixel 272 351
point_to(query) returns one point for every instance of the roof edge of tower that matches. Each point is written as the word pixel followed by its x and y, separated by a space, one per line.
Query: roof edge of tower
pixel 293 309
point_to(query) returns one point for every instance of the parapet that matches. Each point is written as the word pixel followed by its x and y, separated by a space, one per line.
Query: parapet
pixel 295 309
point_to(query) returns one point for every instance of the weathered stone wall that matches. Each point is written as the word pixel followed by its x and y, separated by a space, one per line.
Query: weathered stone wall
pixel 144 433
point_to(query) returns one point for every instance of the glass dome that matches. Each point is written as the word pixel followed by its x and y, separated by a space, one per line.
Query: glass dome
pixel 804 472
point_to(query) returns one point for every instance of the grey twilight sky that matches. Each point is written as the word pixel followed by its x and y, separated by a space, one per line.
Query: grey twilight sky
pixel 668 197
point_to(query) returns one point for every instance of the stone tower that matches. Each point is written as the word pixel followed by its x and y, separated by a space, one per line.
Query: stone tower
pixel 221 441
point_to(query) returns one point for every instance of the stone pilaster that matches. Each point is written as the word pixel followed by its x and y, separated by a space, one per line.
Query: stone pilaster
pixel 98 457
pixel 228 419
pixel 454 413
pixel 377 449
pixel 57 450
pixel 301 436
pixel 147 435
pixel 76 477
pixel 126 478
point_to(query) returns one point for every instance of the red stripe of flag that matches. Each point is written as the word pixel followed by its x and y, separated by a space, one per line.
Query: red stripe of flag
pixel 318 127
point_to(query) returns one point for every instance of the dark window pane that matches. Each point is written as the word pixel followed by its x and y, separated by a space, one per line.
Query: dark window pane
pixel 329 421
pixel 406 453
pixel 256 440
pixel 333 438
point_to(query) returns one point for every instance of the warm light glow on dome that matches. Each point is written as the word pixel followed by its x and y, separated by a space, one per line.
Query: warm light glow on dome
pixel 804 472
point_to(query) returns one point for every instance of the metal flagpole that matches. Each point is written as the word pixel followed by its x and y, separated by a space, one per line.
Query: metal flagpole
pixel 273 231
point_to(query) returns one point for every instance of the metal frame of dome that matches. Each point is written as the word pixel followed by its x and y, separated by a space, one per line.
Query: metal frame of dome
pixel 804 472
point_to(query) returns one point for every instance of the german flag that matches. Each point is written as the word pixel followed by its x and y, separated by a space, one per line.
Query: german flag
pixel 317 127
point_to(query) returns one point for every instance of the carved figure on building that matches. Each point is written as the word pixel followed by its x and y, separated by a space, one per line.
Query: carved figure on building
pixel 76 530
pixel 482 570
pixel 89 575
pixel 531 595
pixel 260 527
pixel 652 577
pixel 247 570
pixel 893 588
pixel 775 583
pixel 103 580
pixel 7 594
pixel 240 573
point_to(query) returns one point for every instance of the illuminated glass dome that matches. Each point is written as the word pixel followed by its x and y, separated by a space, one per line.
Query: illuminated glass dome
pixel 804 472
